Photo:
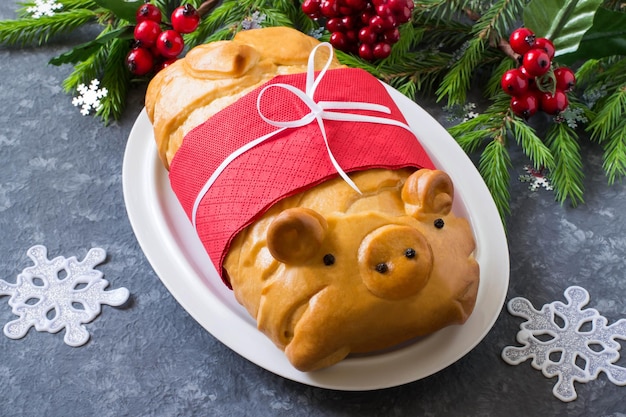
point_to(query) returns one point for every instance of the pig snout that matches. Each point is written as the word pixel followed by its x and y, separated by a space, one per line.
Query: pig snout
pixel 395 261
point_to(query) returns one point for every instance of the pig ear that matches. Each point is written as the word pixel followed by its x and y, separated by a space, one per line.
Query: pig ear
pixel 428 192
pixel 296 235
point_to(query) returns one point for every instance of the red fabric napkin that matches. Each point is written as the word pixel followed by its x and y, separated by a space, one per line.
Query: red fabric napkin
pixel 287 163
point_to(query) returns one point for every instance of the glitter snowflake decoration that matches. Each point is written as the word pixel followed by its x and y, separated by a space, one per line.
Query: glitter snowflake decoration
pixel 44 8
pixel 536 178
pixel 89 98
pixel 567 350
pixel 463 113
pixel 254 21
pixel 59 293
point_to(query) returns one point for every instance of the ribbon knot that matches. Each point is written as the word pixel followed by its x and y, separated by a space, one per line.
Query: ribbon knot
pixel 320 111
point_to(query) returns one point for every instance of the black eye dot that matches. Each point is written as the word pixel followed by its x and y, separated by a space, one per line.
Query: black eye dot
pixel 439 223
pixel 409 253
pixel 382 268
pixel 329 259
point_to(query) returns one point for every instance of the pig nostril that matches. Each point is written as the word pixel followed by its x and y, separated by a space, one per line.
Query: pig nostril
pixel 409 253
pixel 382 268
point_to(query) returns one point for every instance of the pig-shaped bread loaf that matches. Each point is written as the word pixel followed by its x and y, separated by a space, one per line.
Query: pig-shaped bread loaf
pixel 352 263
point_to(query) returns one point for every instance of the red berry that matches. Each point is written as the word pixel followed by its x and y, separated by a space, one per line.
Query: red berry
pixel 349 22
pixel 365 52
pixel 339 40
pixel 514 82
pixel 397 5
pixel 536 62
pixel 554 104
pixel 377 24
pixel 381 50
pixel 404 15
pixel 546 45
pixel 139 61
pixel 146 32
pixel 170 43
pixel 521 40
pixel 329 8
pixel 391 36
pixel 565 78
pixel 311 8
pixel 334 25
pixel 164 64
pixel 148 12
pixel 357 5
pixel 525 105
pixel 185 19
pixel 367 36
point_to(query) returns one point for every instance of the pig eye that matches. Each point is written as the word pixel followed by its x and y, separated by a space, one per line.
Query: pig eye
pixel 409 253
pixel 329 259
pixel 439 223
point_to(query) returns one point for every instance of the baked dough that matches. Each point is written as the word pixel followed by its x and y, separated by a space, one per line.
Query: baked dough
pixel 326 272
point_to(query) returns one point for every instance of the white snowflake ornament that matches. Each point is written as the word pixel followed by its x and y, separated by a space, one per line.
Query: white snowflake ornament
pixel 535 178
pixel 570 351
pixel 89 97
pixel 44 8
pixel 59 293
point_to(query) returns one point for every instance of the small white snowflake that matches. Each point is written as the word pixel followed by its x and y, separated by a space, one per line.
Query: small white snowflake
pixel 89 97
pixel 254 21
pixel 536 179
pixel 463 113
pixel 44 8
pixel 59 293
pixel 572 116
pixel 557 340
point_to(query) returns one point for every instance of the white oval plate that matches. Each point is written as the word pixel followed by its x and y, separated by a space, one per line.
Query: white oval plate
pixel 177 256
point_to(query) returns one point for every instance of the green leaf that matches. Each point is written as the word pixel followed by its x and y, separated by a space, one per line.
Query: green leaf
pixel 83 51
pixel 564 22
pixel 606 37
pixel 123 9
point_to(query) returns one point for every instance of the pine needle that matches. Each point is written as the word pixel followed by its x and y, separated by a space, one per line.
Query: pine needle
pixel 567 174
pixel 38 31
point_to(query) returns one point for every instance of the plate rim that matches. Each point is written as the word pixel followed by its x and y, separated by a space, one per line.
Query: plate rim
pixel 145 196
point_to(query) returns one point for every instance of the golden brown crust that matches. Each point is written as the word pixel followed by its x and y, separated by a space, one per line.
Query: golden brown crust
pixel 319 313
pixel 215 75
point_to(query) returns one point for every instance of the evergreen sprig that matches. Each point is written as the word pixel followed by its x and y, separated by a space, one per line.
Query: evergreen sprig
pixel 39 31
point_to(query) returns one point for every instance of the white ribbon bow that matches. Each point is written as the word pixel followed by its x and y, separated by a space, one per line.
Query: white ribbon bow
pixel 320 111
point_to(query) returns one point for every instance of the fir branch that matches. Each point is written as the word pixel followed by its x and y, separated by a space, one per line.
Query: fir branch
pixel 486 31
pixel 86 70
pixel 22 11
pixel 456 83
pixel 441 10
pixel 494 166
pixel 494 85
pixel 30 30
pixel 567 174
pixel 531 144
pixel 614 164
pixel 116 79
pixel 612 111
pixel 227 14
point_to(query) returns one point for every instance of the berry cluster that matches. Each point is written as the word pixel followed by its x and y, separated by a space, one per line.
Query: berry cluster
pixel 365 27
pixel 535 84
pixel 157 44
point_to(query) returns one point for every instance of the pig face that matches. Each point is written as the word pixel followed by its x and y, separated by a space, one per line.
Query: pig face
pixel 367 280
